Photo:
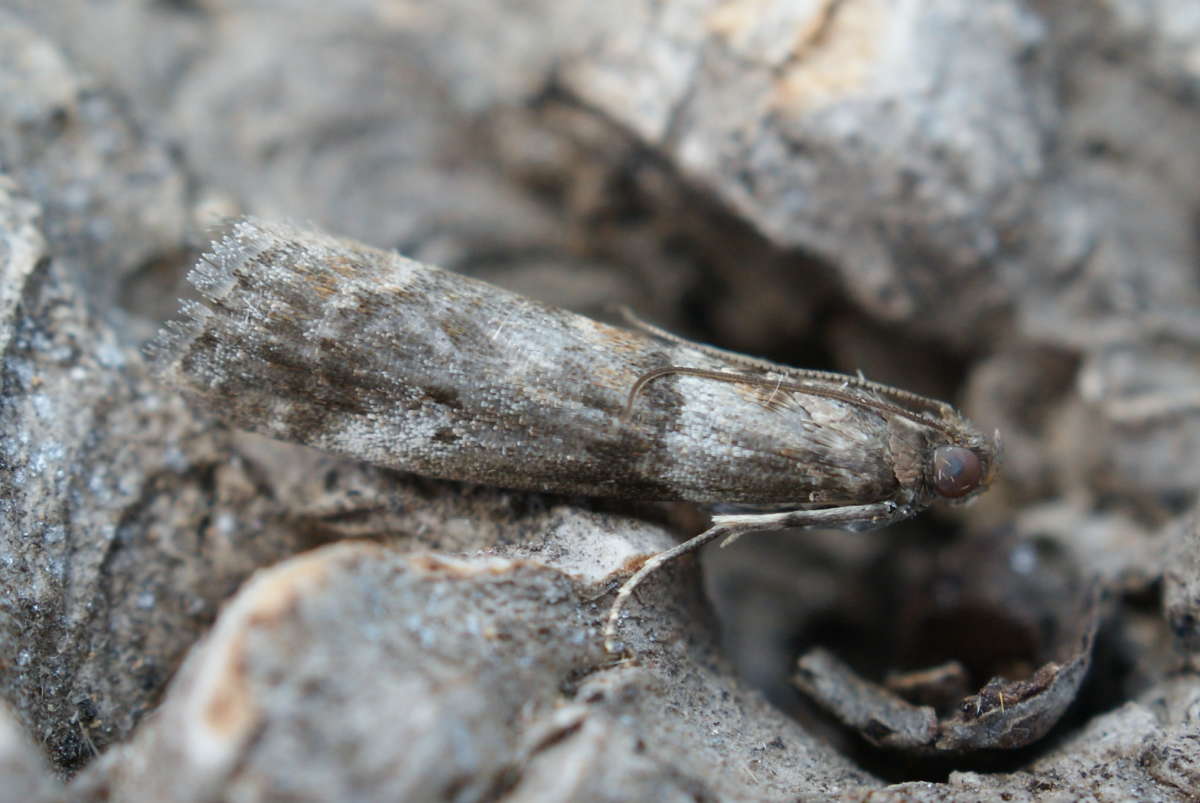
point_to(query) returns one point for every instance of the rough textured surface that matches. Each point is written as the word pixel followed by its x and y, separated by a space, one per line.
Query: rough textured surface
pixel 990 203
pixel 489 673
pixel 1007 610
pixel 24 773
pixel 1135 751
pixel 125 520
pixel 114 199
pixel 1181 579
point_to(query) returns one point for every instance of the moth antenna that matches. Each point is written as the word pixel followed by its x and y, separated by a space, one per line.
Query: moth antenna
pixel 812 390
pixel 937 408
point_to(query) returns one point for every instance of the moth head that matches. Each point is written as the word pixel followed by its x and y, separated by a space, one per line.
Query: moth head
pixel 959 471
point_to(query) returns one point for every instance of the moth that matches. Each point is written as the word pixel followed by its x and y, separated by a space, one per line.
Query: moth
pixel 304 337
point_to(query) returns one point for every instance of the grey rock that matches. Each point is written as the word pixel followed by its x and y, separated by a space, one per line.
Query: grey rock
pixel 24 772
pixel 425 676
pixel 114 201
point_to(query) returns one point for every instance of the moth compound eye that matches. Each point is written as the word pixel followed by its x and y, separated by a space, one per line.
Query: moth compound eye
pixel 956 471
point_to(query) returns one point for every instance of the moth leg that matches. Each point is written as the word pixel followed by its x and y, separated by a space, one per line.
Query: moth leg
pixel 732 527
pixel 862 517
